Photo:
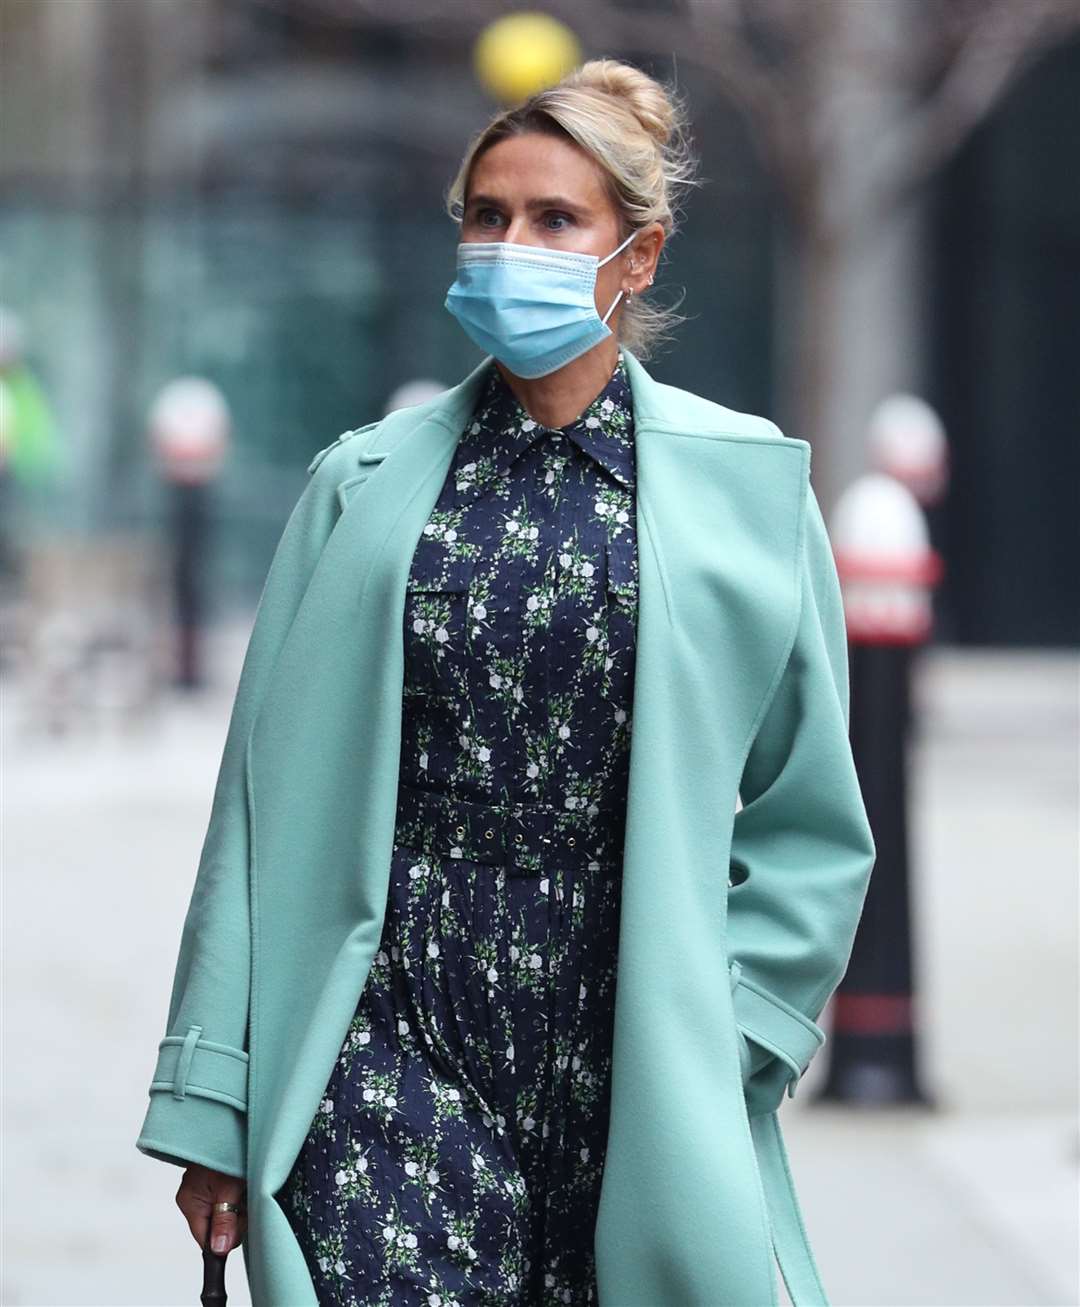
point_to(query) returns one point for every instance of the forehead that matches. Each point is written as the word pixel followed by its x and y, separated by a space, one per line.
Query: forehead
pixel 538 164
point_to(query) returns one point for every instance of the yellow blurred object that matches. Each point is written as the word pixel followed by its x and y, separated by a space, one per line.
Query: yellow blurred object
pixel 523 53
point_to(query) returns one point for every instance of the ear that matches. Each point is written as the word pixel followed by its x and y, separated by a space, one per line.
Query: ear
pixel 644 257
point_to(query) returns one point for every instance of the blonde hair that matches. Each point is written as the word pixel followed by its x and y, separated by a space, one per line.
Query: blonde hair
pixel 636 129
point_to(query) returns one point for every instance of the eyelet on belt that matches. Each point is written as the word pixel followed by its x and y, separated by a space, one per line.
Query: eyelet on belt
pixel 489 834
pixel 461 830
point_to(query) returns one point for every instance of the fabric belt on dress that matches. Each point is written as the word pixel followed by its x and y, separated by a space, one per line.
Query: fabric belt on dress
pixel 528 839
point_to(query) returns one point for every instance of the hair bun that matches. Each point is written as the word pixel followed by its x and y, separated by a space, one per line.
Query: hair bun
pixel 641 94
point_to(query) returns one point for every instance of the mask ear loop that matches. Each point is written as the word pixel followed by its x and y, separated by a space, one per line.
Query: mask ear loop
pixel 601 264
pixel 609 312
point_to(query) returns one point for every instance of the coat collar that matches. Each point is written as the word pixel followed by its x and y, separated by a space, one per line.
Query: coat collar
pixel 657 407
pixel 703 471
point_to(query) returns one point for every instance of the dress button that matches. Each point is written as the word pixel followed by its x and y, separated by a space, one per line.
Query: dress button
pixel 518 837
pixel 461 830
pixel 571 841
pixel 489 834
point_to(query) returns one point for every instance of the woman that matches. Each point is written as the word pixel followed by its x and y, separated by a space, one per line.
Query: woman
pixel 487 993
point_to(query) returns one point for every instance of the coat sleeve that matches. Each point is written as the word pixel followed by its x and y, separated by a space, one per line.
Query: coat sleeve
pixel 198 1093
pixel 802 848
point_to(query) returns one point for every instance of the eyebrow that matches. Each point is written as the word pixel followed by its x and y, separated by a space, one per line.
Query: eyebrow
pixel 541 202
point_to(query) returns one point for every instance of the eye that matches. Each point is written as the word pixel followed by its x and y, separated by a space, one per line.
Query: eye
pixel 481 214
pixel 565 217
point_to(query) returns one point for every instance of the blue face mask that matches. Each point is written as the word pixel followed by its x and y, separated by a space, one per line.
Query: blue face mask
pixel 532 308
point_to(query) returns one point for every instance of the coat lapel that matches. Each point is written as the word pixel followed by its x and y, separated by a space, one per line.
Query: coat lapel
pixel 718 605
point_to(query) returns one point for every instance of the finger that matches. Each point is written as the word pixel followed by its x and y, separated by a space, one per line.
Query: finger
pixel 225 1226
pixel 223 1233
pixel 196 1209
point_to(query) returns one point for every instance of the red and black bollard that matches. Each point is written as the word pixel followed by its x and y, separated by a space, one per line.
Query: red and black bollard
pixel 887 569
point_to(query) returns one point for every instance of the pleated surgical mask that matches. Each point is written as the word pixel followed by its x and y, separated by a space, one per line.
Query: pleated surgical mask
pixel 532 308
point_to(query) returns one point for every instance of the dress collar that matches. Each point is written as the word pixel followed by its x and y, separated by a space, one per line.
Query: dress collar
pixel 604 431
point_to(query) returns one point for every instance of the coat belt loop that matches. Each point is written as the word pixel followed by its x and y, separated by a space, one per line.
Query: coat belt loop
pixel 790 1241
pixel 183 1061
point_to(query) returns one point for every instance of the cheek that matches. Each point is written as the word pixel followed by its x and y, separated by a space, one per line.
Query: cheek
pixel 609 281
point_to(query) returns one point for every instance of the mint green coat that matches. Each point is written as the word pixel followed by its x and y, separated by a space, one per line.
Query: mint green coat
pixel 736 926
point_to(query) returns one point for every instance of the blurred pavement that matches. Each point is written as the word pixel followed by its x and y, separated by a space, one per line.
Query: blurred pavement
pixel 973 1203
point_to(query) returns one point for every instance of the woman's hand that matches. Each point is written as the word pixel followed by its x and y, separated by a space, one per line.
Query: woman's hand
pixel 199 1190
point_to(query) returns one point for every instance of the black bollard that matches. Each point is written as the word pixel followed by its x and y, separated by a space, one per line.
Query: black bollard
pixel 189 427
pixel 190 529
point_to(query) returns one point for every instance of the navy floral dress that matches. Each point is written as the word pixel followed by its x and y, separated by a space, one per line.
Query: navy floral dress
pixel 456 1158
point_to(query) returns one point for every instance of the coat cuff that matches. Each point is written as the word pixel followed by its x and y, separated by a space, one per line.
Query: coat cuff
pixel 785 1038
pixel 198 1104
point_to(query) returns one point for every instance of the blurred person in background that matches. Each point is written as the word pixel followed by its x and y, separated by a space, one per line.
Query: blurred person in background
pixel 29 447
pixel 489 990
